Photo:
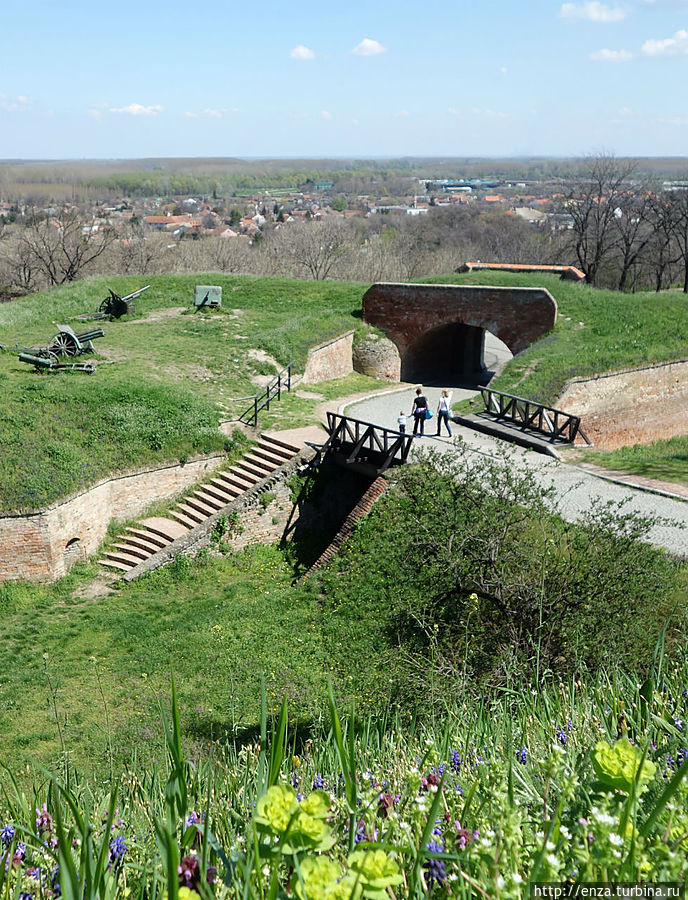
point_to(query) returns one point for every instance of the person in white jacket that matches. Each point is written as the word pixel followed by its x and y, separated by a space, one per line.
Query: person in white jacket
pixel 443 411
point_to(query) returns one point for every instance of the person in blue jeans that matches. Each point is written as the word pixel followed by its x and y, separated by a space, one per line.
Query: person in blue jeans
pixel 419 410
pixel 443 411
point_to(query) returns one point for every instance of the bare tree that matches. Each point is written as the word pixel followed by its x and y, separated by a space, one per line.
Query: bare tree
pixel 660 252
pixel 592 200
pixel 60 247
pixel 137 252
pixel 631 231
pixel 315 247
pixel 679 230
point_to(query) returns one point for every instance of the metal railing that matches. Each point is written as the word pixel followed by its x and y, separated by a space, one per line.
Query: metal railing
pixel 546 420
pixel 272 390
pixel 359 439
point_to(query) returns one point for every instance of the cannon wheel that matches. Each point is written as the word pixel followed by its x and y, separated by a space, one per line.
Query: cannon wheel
pixel 105 305
pixel 46 353
pixel 64 344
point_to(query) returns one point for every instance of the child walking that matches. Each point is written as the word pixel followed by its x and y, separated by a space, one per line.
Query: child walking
pixel 401 422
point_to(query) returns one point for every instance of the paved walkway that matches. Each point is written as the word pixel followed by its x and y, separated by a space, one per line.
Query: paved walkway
pixel 574 486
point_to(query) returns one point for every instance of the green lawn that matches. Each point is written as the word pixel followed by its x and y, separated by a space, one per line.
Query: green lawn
pixel 163 381
pixel 661 460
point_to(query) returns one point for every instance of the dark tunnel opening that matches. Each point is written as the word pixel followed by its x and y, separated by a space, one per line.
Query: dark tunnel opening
pixel 450 354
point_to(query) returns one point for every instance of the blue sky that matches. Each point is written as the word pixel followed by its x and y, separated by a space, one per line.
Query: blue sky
pixel 365 79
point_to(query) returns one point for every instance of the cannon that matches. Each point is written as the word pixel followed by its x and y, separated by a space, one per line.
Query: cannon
pixel 49 361
pixel 114 306
pixel 68 343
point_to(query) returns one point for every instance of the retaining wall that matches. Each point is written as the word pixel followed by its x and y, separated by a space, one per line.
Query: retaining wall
pixel 42 545
pixel 331 359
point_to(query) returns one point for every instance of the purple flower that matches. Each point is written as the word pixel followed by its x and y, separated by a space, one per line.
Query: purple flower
pixel 192 819
pixel 562 737
pixel 44 821
pixel 435 870
pixel 189 873
pixel 318 782
pixel 455 761
pixel 522 756
pixel 118 848
pixel 7 835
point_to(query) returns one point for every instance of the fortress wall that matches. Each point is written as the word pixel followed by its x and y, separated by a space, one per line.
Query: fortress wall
pixel 41 546
pixel 331 359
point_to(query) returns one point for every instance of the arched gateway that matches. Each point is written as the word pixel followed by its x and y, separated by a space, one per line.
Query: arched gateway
pixel 440 328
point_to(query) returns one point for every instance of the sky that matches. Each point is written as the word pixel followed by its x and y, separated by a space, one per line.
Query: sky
pixel 363 79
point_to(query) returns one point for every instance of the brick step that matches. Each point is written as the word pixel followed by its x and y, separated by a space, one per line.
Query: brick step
pixel 200 506
pixel 209 498
pixel 184 520
pixel 124 558
pixel 241 475
pixel 163 527
pixel 115 565
pixel 247 467
pixel 191 512
pixel 221 489
pixel 284 445
pixel 149 536
pixel 269 454
pixel 259 463
pixel 143 543
pixel 132 550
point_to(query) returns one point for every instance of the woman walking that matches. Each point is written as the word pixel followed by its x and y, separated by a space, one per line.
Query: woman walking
pixel 419 412
pixel 443 410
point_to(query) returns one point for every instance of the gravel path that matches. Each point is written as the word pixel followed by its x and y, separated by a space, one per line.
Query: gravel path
pixel 575 487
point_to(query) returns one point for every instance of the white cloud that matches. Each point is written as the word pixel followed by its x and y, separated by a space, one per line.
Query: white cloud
pixel 453 111
pixel 615 56
pixel 302 52
pixel 504 70
pixel 673 46
pixel 14 104
pixel 489 113
pixel 403 113
pixel 592 11
pixel 368 47
pixel 136 109
pixel 325 114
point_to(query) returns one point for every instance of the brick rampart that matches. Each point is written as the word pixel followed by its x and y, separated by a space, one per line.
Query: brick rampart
pixel 331 359
pixel 40 546
pixel 407 312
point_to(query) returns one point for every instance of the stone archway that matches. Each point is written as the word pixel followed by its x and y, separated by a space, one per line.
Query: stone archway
pixel 433 325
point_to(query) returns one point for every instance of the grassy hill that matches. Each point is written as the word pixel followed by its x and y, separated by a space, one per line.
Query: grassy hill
pixel 170 377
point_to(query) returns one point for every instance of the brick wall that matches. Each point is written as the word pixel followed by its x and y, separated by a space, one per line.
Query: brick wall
pixel 407 312
pixel 331 359
pixel 40 546
pixel 633 406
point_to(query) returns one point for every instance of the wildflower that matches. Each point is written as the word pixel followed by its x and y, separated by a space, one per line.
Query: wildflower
pixel 455 761
pixel 385 803
pixel 192 819
pixel 117 848
pixel 44 821
pixel 435 870
pixel 562 736
pixel 6 835
pixel 522 756
pixel 678 723
pixel 54 882
pixel 189 873
pixel 318 782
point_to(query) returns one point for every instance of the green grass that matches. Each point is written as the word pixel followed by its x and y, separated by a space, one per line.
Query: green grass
pixel 162 386
pixel 660 460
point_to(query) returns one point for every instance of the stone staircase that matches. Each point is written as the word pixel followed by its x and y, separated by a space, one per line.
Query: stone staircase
pixel 138 543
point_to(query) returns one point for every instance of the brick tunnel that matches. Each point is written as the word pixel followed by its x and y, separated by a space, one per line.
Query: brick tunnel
pixel 439 329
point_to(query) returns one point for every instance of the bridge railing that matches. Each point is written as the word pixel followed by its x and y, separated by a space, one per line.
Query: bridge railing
pixel 533 416
pixel 364 439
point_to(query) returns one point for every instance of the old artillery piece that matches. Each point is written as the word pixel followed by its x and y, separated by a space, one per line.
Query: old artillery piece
pixel 114 306
pixel 65 343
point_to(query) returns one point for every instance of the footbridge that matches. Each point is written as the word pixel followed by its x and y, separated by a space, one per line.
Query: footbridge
pixel 439 329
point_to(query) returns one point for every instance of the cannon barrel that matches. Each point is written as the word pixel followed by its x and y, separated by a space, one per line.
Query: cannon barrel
pixel 135 294
pixel 90 335
pixel 40 362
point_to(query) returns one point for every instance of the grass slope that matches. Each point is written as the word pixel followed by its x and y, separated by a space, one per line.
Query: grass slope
pixel 166 379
